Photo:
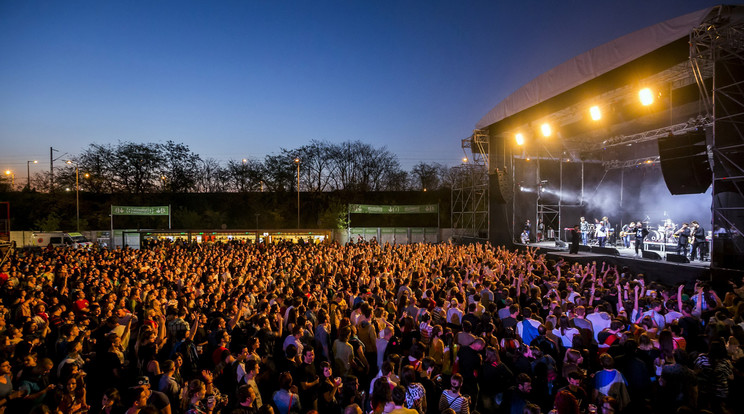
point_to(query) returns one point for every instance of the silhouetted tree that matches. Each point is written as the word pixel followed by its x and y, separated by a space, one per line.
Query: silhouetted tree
pixel 178 167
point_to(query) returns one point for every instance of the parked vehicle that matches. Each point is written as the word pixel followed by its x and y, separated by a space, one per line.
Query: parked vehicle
pixel 59 238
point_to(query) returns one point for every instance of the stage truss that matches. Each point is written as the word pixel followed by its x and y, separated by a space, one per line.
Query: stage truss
pixel 469 197
pixel 718 43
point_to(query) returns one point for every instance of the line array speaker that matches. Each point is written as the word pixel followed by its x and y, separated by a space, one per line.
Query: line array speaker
pixel 684 162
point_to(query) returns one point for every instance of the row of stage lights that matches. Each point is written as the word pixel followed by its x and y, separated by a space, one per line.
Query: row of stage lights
pixel 645 95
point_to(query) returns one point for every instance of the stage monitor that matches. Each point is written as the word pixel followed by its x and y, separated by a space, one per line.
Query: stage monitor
pixel 677 258
pixel 651 255
pixel 684 162
pixel 605 250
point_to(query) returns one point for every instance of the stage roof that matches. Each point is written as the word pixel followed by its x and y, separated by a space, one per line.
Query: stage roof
pixel 593 64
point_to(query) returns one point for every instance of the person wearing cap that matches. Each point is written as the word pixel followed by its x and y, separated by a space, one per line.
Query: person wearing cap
pixel 154 398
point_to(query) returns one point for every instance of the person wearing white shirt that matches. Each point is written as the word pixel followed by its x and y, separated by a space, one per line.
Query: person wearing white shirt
pixel 600 320
pixel 565 332
pixel 454 314
pixel 572 295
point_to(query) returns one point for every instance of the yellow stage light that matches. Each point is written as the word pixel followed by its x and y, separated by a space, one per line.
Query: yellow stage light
pixel 595 113
pixel 545 128
pixel 646 96
pixel 520 139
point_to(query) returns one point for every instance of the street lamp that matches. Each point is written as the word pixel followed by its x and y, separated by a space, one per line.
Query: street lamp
pixel 28 173
pixel 297 161
pixel 77 194
pixel 12 178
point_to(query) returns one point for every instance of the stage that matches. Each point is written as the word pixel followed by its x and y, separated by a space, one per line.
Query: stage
pixel 656 269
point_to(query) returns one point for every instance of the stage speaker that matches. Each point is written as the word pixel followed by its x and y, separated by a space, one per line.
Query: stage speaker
pixel 584 248
pixel 651 255
pixel 677 258
pixel 499 187
pixel 605 250
pixel 684 162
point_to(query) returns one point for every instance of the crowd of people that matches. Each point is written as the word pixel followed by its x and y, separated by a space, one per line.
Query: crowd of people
pixel 178 327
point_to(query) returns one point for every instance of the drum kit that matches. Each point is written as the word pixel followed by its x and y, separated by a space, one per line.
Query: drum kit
pixel 664 233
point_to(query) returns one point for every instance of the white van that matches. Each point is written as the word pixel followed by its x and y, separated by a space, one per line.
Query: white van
pixel 58 238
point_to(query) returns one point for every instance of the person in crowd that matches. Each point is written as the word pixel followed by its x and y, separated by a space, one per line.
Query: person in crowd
pixel 285 398
pixel 453 399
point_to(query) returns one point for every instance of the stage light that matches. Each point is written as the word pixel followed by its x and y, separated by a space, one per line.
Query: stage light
pixel 595 113
pixel 520 139
pixel 646 96
pixel 545 128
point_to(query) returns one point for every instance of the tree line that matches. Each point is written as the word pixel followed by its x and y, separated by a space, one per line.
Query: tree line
pixel 170 167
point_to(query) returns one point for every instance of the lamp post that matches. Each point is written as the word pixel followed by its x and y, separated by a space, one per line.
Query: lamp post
pixel 77 194
pixel 297 161
pixel 12 178
pixel 28 173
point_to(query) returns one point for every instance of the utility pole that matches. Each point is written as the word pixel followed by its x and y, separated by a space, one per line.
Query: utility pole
pixel 51 170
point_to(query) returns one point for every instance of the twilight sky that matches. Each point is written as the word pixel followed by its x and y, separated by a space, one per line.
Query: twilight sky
pixel 235 79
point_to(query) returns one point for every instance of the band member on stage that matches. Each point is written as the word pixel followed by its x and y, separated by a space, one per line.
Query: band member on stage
pixel 628 231
pixel 698 241
pixel 525 237
pixel 640 234
pixel 683 242
pixel 540 229
pixel 575 238
pixel 669 228
pixel 528 228
pixel 584 226
pixel 603 228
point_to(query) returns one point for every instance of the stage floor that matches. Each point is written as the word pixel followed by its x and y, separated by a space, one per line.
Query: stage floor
pixel 625 253
pixel 660 270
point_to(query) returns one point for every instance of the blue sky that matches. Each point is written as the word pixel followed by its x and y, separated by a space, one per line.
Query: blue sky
pixel 235 79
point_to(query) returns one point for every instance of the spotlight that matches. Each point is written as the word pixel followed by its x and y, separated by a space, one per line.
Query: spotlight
pixel 464 159
pixel 520 138
pixel 545 128
pixel 646 96
pixel 595 113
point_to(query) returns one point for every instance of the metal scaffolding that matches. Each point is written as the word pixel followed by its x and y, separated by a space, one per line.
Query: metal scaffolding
pixel 469 197
pixel 718 43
